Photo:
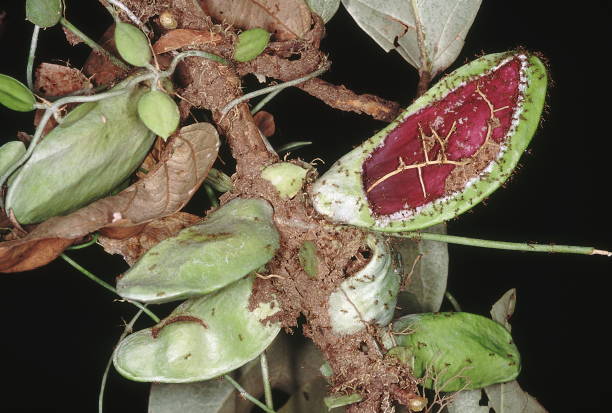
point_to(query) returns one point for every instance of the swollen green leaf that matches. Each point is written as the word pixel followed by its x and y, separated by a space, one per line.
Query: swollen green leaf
pixel 457 351
pixel 132 44
pixel 429 34
pixel 82 161
pixel 250 44
pixel 15 95
pixel 446 152
pixel 159 112
pixel 286 177
pixel 368 296
pixel 234 240
pixel 201 339
pixel 44 13
pixel 10 153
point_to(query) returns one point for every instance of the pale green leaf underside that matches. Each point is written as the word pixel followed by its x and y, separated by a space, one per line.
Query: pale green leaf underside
pixel 429 34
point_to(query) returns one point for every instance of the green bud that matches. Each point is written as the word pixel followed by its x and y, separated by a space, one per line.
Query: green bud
pixel 286 177
pixel 219 181
pixel 44 13
pixel 132 44
pixel 159 112
pixel 250 44
pixel 456 351
pixel 201 339
pixel 234 240
pixel 15 95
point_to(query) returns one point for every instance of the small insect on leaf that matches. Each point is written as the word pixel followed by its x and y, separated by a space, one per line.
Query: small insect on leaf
pixel 44 13
pixel 159 113
pixel 132 44
pixel 15 95
pixel 250 44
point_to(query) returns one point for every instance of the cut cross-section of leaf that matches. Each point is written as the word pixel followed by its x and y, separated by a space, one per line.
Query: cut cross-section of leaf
pixel 445 153
pixel 233 241
pixel 201 339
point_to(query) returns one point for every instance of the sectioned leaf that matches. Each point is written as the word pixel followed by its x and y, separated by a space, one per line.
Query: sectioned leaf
pixel 10 153
pixel 201 339
pixel 457 351
pixel 446 152
pixel 234 240
pixel 15 95
pixel 132 44
pixel 428 34
pixel 44 13
pixel 250 44
pixel 159 112
pixel 81 162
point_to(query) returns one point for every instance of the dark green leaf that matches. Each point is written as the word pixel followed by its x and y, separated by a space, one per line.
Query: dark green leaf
pixel 159 112
pixel 15 95
pixel 250 44
pixel 44 13
pixel 132 44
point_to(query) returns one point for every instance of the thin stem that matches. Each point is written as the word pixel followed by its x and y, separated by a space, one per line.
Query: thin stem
pixel 264 101
pixel 451 299
pixel 30 66
pixel 91 43
pixel 130 14
pixel 292 146
pixel 89 243
pixel 106 285
pixel 128 328
pixel 247 396
pixel 191 53
pixel 424 79
pixel 265 375
pixel 274 88
pixel 516 246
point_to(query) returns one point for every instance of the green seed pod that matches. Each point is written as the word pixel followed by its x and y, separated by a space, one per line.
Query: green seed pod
pixel 234 240
pixel 201 339
pixel 286 177
pixel 369 295
pixel 15 95
pixel 446 152
pixel 159 112
pixel 132 44
pixel 10 153
pixel 219 181
pixel 250 44
pixel 44 13
pixel 456 351
pixel 82 160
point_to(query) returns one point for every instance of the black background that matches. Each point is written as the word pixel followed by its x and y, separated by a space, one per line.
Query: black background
pixel 58 328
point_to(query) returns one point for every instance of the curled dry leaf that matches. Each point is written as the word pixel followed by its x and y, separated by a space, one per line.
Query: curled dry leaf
pixel 265 123
pixel 176 39
pixel 154 232
pixel 285 19
pixel 165 190
pixel 57 80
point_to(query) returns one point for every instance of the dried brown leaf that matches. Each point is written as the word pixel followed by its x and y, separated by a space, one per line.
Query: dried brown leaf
pixel 265 122
pixel 285 19
pixel 176 39
pixel 57 80
pixel 165 190
pixel 98 66
pixel 71 38
pixel 154 232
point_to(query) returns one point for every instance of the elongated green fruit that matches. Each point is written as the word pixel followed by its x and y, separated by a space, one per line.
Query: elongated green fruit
pixel 10 153
pixel 234 240
pixel 44 13
pixel 250 44
pixel 368 296
pixel 132 44
pixel 15 95
pixel 456 351
pixel 446 152
pixel 82 160
pixel 201 339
